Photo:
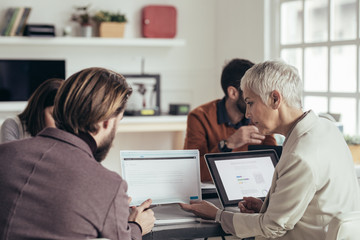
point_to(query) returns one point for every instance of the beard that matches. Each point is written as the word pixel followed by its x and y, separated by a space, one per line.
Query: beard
pixel 241 105
pixel 104 147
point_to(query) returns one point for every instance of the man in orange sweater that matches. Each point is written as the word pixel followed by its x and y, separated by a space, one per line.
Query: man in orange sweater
pixel 220 125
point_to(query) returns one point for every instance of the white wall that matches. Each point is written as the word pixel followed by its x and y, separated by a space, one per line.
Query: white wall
pixel 240 31
pixel 183 70
pixel 215 31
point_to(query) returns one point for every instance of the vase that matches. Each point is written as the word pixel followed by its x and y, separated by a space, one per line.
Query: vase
pixel 86 31
pixel 112 29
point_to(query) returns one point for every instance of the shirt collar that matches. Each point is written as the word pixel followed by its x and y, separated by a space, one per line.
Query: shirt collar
pixel 294 125
pixel 86 137
pixel 223 117
pixel 87 142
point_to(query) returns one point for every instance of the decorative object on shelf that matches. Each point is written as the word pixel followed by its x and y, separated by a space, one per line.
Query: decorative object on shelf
pixel 159 21
pixel 145 99
pixel 15 21
pixel 67 31
pixel 86 31
pixel 179 109
pixel 39 30
pixel 82 16
pixel 111 25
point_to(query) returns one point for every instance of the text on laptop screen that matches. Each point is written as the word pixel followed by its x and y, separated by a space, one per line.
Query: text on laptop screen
pixel 164 176
pixel 246 177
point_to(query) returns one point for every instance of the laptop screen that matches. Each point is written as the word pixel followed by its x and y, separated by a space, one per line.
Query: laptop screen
pixel 242 174
pixel 278 149
pixel 169 176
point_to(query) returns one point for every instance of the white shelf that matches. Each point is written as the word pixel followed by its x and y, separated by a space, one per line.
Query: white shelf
pixel 155 119
pixel 94 41
pixel 12 106
pixel 153 124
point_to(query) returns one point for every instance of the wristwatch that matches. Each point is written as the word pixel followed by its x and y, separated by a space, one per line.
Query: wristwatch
pixel 223 146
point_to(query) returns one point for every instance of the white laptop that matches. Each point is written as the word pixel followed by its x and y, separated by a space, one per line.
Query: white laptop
pixel 168 177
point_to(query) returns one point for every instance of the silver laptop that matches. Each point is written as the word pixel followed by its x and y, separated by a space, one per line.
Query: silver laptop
pixel 168 177
pixel 241 174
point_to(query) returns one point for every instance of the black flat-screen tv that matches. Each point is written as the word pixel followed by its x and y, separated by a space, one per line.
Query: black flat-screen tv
pixel 20 78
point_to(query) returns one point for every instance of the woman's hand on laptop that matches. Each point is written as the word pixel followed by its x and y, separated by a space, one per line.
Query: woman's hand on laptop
pixel 202 209
pixel 143 216
pixel 250 205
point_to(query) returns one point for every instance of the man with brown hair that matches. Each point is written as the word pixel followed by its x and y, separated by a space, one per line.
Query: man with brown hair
pixel 53 186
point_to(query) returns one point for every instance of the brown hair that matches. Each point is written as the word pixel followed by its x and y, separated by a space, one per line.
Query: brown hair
pixel 33 118
pixel 88 97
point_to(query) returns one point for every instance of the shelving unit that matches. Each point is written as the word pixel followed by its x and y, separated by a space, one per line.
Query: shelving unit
pixel 172 127
pixel 94 41
pixel 153 124
pixel 162 123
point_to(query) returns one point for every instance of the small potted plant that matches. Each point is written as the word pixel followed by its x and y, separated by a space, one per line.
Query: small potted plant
pixel 110 24
pixel 82 16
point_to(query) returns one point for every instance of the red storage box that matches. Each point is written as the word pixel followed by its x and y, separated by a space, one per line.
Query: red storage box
pixel 159 21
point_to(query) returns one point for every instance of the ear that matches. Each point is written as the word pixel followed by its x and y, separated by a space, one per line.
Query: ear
pixel 275 99
pixel 233 93
pixel 105 124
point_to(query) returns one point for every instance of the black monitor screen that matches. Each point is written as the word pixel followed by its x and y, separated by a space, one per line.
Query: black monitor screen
pixel 20 78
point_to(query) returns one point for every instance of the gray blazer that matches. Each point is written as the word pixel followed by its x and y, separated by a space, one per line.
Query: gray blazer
pixel 51 187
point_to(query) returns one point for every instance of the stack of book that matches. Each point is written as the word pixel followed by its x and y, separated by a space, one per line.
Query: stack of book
pixel 15 21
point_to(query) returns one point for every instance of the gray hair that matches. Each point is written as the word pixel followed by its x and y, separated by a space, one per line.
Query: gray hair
pixel 265 77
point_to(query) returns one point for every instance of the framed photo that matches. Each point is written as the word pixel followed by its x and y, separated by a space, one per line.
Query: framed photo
pixel 145 98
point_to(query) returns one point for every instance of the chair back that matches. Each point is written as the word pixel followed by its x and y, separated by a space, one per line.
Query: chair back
pixel 345 226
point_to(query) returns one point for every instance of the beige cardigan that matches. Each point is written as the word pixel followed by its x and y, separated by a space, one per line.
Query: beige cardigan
pixel 313 181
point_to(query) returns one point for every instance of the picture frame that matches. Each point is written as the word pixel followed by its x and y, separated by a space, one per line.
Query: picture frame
pixel 145 98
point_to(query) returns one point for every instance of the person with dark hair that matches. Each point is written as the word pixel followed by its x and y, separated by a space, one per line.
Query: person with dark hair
pixel 221 125
pixel 53 186
pixel 36 116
